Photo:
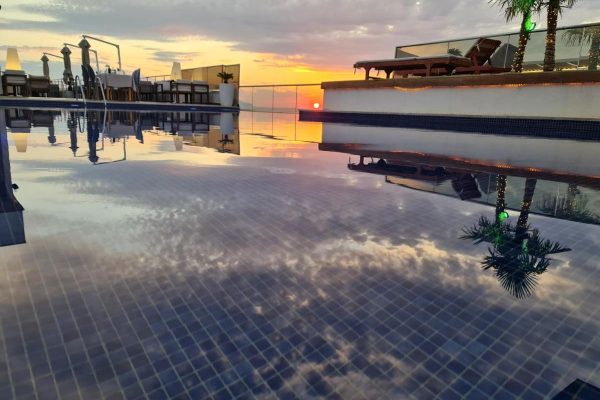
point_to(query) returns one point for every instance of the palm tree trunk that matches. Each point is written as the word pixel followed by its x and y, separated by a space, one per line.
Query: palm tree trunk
pixel 549 60
pixel 500 199
pixel 523 222
pixel 594 56
pixel 517 65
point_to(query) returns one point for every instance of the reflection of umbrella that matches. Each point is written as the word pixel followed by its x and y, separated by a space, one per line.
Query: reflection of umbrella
pixel 68 74
pixel 139 135
pixel 85 52
pixel 51 136
pixel 45 66
pixel 72 126
pixel 93 134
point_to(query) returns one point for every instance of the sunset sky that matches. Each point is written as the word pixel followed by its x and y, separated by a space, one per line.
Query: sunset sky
pixel 285 41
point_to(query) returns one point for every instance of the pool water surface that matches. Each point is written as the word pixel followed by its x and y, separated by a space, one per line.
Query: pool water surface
pixel 193 256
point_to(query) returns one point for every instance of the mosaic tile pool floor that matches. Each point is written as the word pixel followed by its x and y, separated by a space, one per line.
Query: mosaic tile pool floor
pixel 247 267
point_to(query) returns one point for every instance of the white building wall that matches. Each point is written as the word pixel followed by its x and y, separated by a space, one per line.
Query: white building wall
pixel 539 101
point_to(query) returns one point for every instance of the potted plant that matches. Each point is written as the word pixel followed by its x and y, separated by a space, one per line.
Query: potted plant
pixel 226 89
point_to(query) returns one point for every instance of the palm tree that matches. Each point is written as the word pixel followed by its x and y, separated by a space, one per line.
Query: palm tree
pixel 581 36
pixel 555 8
pixel 523 8
pixel 518 254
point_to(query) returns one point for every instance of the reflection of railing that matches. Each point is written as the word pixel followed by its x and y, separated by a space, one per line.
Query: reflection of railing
pixel 574 47
pixel 286 99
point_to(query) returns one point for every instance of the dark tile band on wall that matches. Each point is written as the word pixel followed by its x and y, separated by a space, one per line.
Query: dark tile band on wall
pixel 548 128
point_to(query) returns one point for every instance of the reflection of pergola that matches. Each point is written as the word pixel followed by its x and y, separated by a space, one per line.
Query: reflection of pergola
pixel 469 179
pixel 592 182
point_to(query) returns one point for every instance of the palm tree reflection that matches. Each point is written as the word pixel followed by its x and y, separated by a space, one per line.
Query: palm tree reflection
pixel 518 253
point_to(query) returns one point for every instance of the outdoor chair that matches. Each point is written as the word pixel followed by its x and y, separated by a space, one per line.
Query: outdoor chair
pixel 147 91
pixel 38 85
pixel 16 81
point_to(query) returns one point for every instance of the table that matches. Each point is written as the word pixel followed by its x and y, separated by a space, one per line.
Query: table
pixel 423 66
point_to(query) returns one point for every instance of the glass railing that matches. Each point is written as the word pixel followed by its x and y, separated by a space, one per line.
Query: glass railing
pixel 287 99
pixel 577 47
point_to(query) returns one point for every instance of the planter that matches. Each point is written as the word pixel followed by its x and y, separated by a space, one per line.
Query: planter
pixel 226 123
pixel 226 94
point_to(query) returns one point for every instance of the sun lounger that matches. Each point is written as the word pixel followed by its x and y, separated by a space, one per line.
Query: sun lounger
pixel 476 61
pixel 481 58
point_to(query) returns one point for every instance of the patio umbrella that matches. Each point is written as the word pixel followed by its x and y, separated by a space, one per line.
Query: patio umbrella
pixel 68 74
pixel 45 66
pixel 85 52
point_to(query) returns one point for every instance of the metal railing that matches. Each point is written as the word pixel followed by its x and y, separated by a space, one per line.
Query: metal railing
pixel 78 85
pixel 576 47
pixel 286 99
pixel 155 78
pixel 101 85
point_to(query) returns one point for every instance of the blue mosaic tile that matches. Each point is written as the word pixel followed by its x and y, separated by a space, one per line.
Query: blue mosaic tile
pixel 201 274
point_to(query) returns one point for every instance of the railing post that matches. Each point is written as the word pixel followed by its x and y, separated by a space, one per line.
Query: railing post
pixel 102 90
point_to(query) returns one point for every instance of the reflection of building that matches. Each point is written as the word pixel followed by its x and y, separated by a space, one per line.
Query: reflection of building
pixel 12 228
pixel 183 123
pixel 214 139
pixel 225 138
pixel 556 194
pixel 19 122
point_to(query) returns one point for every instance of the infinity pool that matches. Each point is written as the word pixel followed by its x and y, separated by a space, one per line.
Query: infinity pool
pixel 193 256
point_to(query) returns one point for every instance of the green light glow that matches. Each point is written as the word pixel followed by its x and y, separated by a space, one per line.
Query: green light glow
pixel 502 216
pixel 529 24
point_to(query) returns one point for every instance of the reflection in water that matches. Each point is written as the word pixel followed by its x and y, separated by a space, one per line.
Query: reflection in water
pixel 72 127
pixel 93 135
pixel 572 206
pixel 12 228
pixel 559 197
pixel 518 253
pixel 280 277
